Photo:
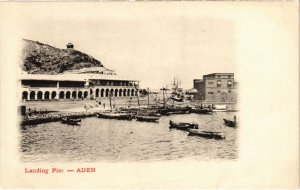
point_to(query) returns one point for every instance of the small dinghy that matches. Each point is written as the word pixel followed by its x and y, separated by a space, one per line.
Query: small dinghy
pixel 207 134
pixel 71 121
pixel 183 126
pixel 230 123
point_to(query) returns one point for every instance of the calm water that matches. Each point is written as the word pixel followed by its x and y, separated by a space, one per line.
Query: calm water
pixel 114 140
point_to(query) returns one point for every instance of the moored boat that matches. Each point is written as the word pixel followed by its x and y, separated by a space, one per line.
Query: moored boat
pixel 147 118
pixel 183 125
pixel 230 123
pixel 219 108
pixel 114 115
pixel 202 110
pixel 174 110
pixel 71 121
pixel 207 134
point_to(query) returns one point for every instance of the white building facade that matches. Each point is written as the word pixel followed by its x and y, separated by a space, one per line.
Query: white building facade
pixel 36 87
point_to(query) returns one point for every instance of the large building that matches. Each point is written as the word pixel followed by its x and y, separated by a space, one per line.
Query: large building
pixel 76 86
pixel 216 87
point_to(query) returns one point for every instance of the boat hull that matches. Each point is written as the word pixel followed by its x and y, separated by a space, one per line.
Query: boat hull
pixel 71 121
pixel 201 111
pixel 230 123
pixel 183 126
pixel 169 111
pixel 147 118
pixel 219 110
pixel 114 116
pixel 207 135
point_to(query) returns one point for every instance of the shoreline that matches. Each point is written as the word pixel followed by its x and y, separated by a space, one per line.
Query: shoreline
pixel 52 111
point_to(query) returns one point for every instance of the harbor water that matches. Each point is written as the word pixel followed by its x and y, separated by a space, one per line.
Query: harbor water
pixel 98 140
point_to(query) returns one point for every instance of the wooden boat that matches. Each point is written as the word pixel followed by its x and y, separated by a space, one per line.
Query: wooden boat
pixel 147 118
pixel 219 108
pixel 207 134
pixel 201 110
pixel 174 110
pixel 232 110
pixel 71 121
pixel 183 126
pixel 114 115
pixel 230 123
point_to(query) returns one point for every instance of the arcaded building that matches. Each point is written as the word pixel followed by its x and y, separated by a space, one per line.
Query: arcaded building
pixel 216 87
pixel 89 84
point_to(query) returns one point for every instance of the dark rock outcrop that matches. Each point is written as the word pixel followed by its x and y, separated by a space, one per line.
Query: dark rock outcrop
pixel 39 58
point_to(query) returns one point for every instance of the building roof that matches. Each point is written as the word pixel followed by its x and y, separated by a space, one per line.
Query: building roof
pixel 212 74
pixel 105 77
pixel 218 75
pixel 90 69
pixel 72 77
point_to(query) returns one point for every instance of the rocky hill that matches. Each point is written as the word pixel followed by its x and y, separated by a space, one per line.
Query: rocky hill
pixel 39 58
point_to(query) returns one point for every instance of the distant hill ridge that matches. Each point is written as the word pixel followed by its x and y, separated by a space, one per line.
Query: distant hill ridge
pixel 39 58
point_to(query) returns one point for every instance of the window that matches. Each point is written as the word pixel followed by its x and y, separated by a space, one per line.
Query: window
pixel 229 84
pixel 229 91
pixel 210 82
pixel 210 93
pixel 229 76
pixel 219 83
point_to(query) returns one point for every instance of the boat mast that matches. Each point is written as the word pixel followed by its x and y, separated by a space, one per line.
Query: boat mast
pixel 148 95
pixel 174 85
pixel 163 90
pixel 164 97
pixel 137 95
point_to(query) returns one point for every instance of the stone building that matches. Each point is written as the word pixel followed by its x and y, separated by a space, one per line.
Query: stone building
pixel 76 86
pixel 216 87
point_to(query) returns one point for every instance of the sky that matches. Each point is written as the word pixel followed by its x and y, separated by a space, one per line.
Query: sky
pixel 153 47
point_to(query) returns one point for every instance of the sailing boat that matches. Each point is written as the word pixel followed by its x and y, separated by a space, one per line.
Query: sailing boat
pixel 114 114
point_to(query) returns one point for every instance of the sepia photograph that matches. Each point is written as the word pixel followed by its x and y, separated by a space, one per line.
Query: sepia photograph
pixel 158 96
pixel 149 94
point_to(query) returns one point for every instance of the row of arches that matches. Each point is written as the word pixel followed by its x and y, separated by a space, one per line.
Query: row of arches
pixel 39 95
pixel 114 92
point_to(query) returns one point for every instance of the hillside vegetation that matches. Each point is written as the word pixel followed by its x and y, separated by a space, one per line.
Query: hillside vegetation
pixel 39 58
